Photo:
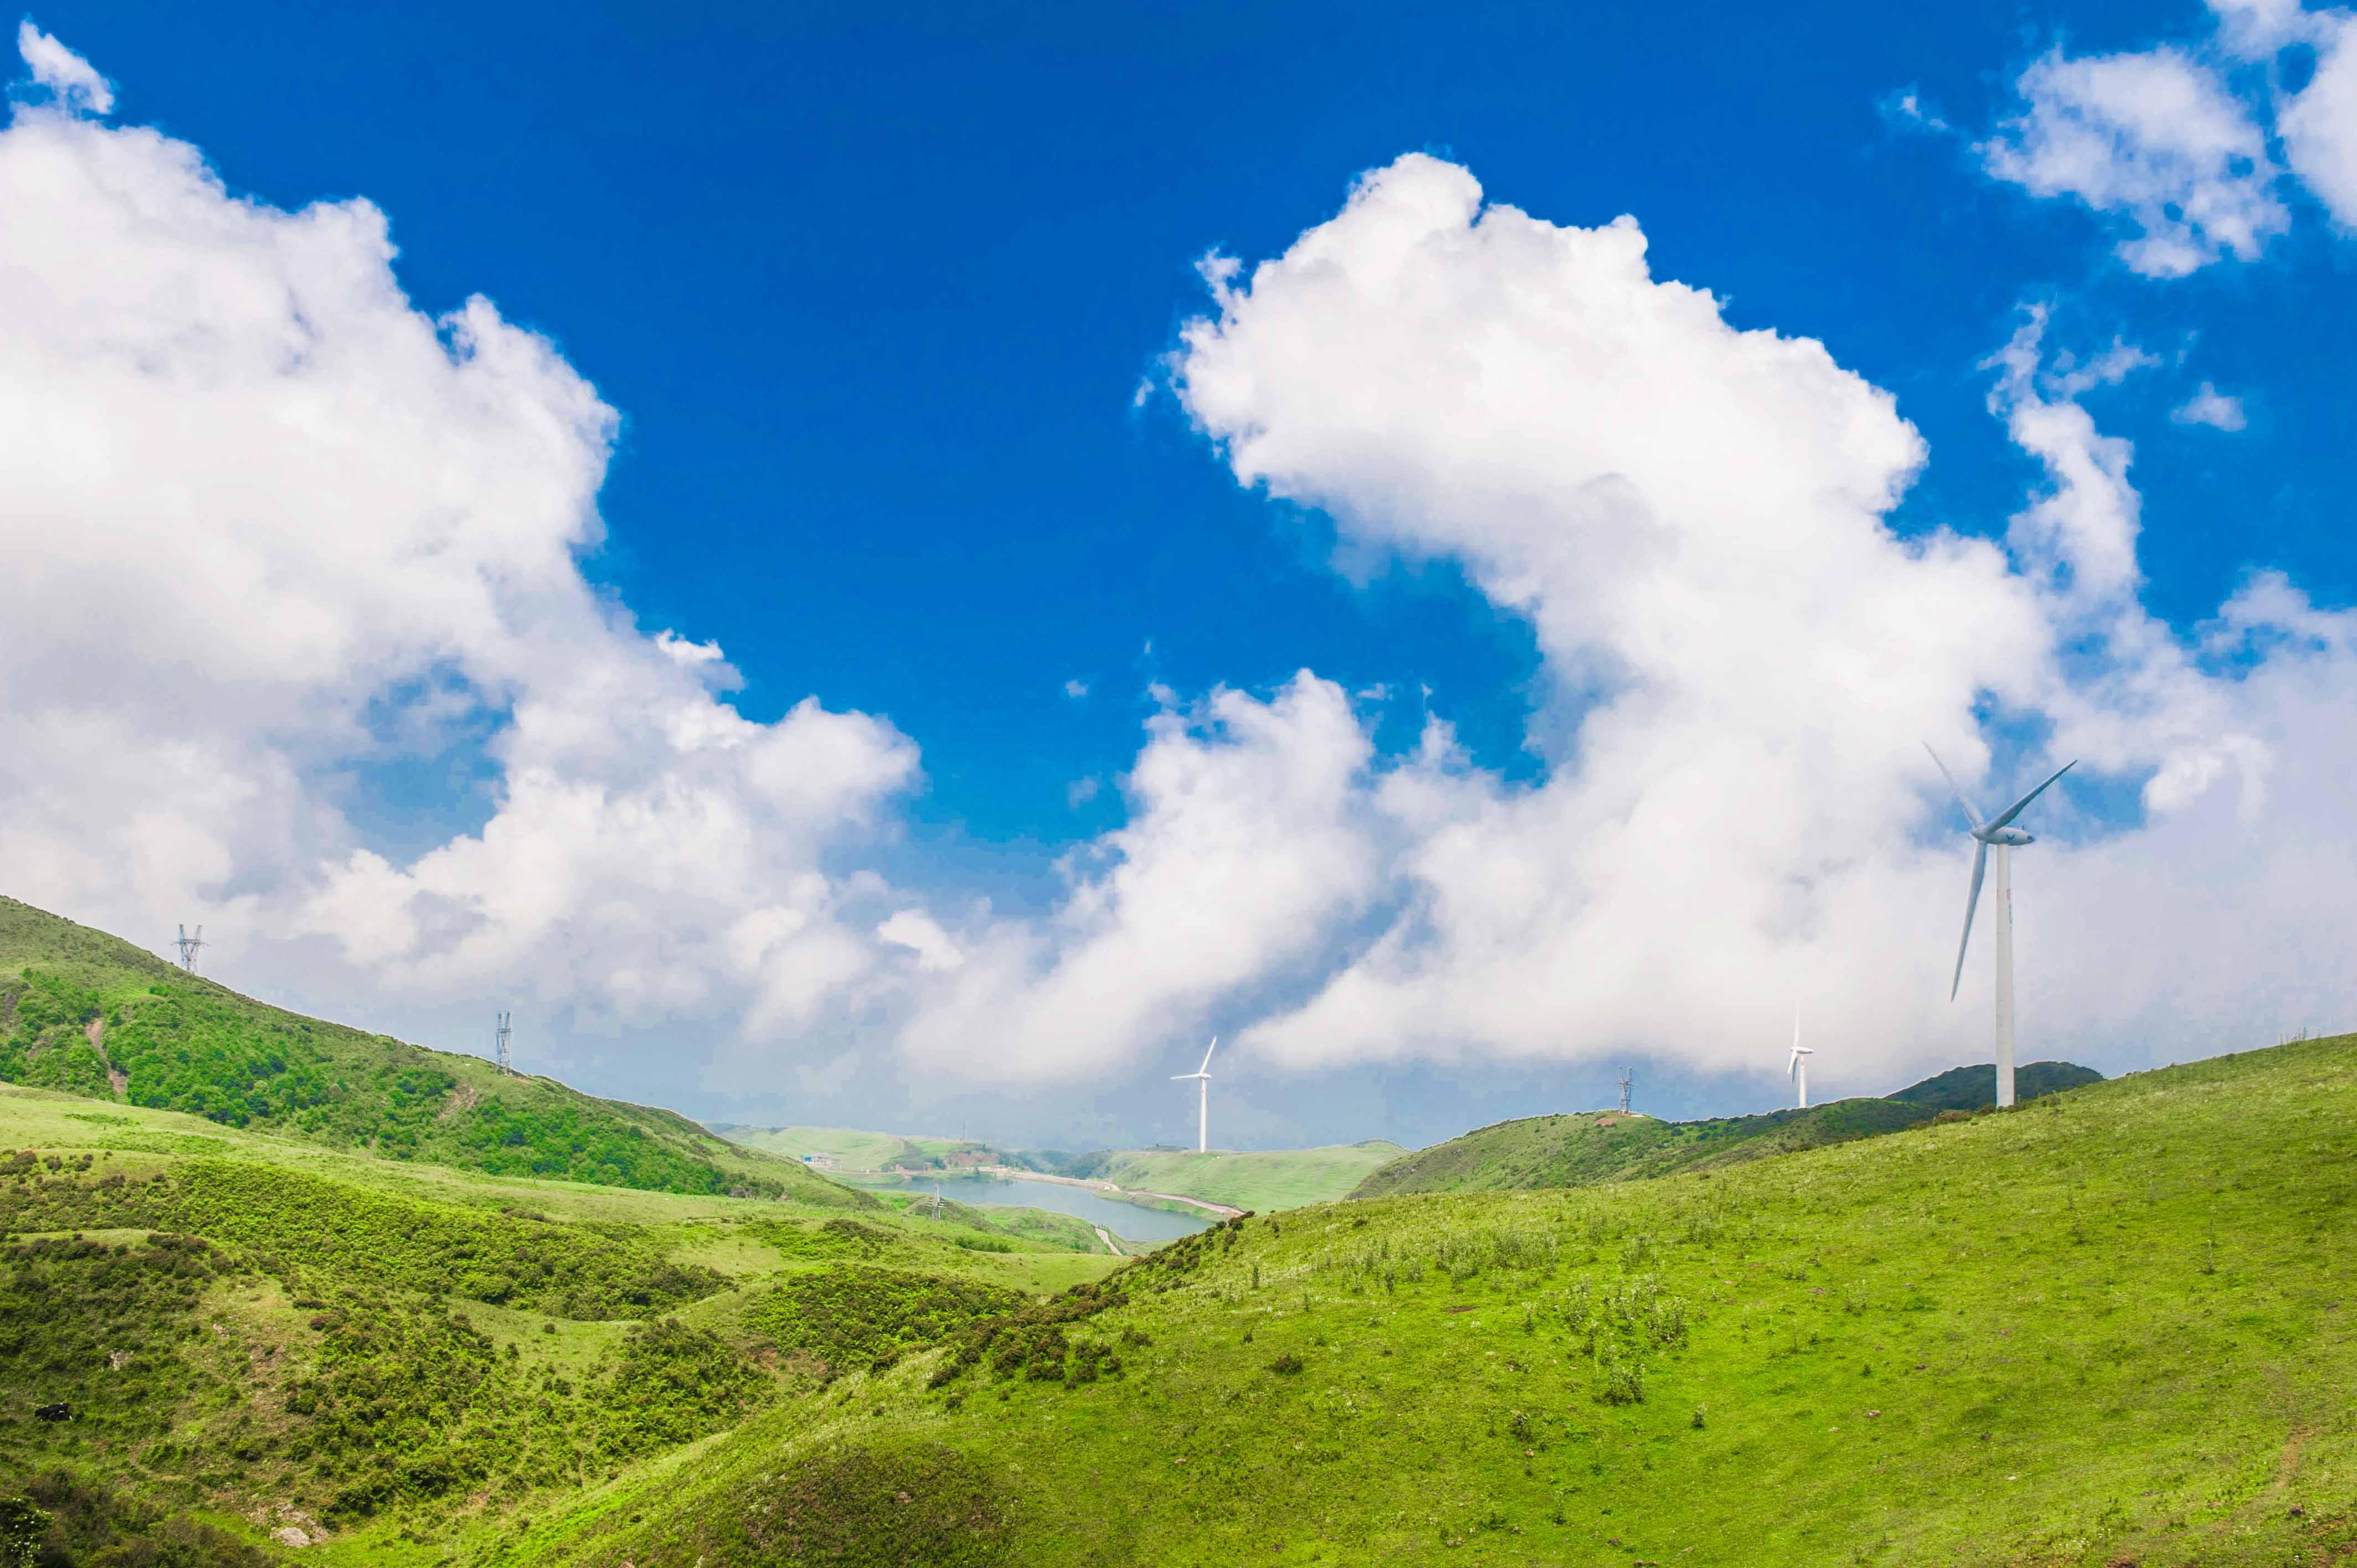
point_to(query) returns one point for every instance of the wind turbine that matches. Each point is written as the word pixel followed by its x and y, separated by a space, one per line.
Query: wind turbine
pixel 1799 1066
pixel 1998 832
pixel 1202 1077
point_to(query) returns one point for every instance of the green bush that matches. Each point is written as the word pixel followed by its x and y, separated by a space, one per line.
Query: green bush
pixel 909 1505
pixel 301 1226
pixel 855 1313
pixel 673 1384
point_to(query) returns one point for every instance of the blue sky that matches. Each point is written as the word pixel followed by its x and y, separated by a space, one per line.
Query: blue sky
pixel 874 296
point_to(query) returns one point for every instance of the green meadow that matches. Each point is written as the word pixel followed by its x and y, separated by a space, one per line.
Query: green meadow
pixel 2110 1326
pixel 2107 1328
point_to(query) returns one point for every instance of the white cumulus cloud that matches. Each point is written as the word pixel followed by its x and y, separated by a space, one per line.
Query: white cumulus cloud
pixel 71 83
pixel 2153 139
pixel 1693 520
pixel 2161 144
pixel 273 529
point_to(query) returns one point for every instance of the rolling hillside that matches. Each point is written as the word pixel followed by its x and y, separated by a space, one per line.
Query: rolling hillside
pixel 89 1014
pixel 2106 1329
pixel 211 1336
pixel 1582 1148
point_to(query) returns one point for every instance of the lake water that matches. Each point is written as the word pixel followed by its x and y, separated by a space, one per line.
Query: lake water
pixel 1127 1220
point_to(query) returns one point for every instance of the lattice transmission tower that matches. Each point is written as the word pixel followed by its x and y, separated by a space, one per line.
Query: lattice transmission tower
pixel 1628 1081
pixel 189 946
pixel 507 1059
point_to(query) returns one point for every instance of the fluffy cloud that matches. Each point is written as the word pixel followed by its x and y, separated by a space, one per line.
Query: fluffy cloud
pixel 279 536
pixel 2319 123
pixel 1248 845
pixel 1694 518
pixel 67 76
pixel 2211 407
pixel 2154 140
pixel 2157 141
pixel 274 530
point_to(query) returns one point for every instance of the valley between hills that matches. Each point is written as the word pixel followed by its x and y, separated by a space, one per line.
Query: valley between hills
pixel 286 1293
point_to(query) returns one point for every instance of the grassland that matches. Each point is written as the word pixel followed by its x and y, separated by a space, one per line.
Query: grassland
pixel 2110 1327
pixel 88 1014
pixel 1583 1148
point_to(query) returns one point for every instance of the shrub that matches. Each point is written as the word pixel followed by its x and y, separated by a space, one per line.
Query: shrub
pixel 854 1313
pixel 1286 1366
pixel 669 1385
pixel 1620 1373
pixel 899 1506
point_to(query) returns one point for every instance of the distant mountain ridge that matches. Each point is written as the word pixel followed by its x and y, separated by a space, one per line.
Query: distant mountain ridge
pixel 1583 1148
pixel 89 1014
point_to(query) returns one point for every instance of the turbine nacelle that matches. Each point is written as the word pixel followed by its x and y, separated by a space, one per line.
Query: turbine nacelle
pixel 2006 836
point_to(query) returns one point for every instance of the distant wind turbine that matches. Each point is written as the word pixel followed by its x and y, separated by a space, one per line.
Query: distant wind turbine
pixel 1999 832
pixel 1799 1066
pixel 1202 1077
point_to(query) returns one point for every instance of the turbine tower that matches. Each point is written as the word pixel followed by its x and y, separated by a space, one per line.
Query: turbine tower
pixel 1999 833
pixel 1202 1079
pixel 1799 1066
pixel 189 946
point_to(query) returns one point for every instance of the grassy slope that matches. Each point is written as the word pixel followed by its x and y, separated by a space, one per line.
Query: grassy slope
pixel 309 1355
pixel 1586 1147
pixel 1264 1181
pixel 74 1002
pixel 2112 1327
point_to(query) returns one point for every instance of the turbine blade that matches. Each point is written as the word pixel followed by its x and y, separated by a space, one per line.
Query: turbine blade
pixel 1972 902
pixel 1972 818
pixel 2016 809
pixel 1207 1054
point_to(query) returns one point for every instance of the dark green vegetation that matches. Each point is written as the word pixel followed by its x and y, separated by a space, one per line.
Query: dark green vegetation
pixel 198 1350
pixel 859 1315
pixel 88 1014
pixel 1969 1088
pixel 1586 1147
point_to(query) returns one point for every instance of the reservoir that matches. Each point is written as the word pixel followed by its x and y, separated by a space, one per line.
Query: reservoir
pixel 1127 1220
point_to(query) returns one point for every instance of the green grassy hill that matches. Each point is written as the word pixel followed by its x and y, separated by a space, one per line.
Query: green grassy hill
pixel 210 1334
pixel 1582 1148
pixel 1263 1181
pixel 2105 1328
pixel 88 1014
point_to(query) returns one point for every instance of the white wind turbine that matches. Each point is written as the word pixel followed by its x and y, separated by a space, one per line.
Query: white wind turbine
pixel 1998 832
pixel 1202 1077
pixel 1799 1066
